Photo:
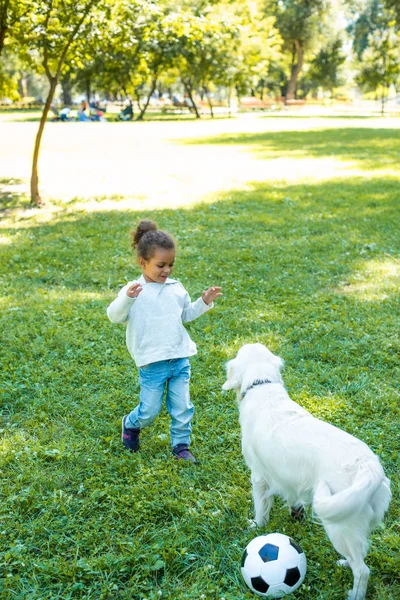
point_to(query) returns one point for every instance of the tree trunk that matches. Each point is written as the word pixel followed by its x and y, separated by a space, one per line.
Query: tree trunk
pixel 138 100
pixel 66 89
pixel 295 71
pixel 3 33
pixel 143 110
pixel 127 97
pixel 207 93
pixel 189 92
pixel 383 99
pixel 22 88
pixel 3 23
pixel 88 89
pixel 35 195
pixel 53 80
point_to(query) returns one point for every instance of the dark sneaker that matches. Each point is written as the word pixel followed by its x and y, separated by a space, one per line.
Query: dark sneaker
pixel 130 437
pixel 181 452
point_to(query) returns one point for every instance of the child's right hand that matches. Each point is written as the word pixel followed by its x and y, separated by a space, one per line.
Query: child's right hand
pixel 134 290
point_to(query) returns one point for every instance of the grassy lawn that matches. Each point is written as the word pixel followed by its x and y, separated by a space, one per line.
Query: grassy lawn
pixel 307 253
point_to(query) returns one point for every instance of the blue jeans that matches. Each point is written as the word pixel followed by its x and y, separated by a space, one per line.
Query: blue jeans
pixel 174 375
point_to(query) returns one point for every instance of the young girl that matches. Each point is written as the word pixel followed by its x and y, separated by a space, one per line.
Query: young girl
pixel 154 308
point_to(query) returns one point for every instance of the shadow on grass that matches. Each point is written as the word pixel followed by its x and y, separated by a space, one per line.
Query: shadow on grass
pixel 11 198
pixel 373 148
pixel 10 181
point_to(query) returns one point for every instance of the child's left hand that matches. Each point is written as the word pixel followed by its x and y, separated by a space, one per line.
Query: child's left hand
pixel 211 294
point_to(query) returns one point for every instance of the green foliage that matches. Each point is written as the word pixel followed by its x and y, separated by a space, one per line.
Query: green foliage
pixel 8 77
pixel 300 25
pixel 11 14
pixel 366 18
pixel 56 30
pixel 395 6
pixel 324 69
pixel 380 67
pixel 126 48
pixel 309 268
pixel 298 20
pixel 377 43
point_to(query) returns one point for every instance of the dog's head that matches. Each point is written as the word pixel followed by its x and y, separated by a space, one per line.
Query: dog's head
pixel 254 362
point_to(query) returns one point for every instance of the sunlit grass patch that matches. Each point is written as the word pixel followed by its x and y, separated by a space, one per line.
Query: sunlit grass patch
pixel 107 166
pixel 375 281
pixel 369 149
pixel 5 240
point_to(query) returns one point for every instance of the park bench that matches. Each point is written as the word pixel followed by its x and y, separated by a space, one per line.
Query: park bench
pixel 253 103
pixel 176 109
pixel 295 103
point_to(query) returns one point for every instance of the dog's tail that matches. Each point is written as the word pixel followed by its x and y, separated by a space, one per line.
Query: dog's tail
pixel 340 506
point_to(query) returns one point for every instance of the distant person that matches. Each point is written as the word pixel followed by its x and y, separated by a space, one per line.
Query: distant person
pixel 126 114
pixel 65 114
pixel 97 115
pixel 154 308
pixel 188 101
pixel 82 111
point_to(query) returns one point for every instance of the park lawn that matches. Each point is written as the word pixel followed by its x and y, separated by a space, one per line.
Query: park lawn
pixel 308 267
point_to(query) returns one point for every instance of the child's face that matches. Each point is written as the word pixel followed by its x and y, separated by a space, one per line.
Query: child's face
pixel 159 266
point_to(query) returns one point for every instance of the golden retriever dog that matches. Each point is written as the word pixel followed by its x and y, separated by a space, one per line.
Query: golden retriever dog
pixel 303 460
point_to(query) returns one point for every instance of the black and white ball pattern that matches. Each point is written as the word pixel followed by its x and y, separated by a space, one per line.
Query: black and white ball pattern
pixel 273 565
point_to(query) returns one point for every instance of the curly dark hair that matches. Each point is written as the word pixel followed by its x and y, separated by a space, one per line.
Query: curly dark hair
pixel 146 238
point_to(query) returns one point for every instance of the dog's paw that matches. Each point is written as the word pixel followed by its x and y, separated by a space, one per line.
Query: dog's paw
pixel 297 513
pixel 252 523
pixel 342 563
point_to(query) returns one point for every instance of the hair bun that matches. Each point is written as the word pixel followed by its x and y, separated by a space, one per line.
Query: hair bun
pixel 141 229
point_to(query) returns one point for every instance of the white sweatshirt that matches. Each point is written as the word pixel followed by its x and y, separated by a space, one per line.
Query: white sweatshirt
pixel 154 320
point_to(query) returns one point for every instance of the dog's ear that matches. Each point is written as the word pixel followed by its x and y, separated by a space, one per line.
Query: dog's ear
pixel 232 379
pixel 278 362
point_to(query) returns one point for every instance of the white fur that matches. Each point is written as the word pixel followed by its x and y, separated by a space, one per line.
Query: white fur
pixel 303 460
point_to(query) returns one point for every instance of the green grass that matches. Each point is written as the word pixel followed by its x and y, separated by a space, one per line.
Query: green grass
pixel 309 268
pixel 373 148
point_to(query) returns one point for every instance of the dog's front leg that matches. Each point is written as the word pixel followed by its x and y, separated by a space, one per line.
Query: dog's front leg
pixel 262 500
pixel 361 574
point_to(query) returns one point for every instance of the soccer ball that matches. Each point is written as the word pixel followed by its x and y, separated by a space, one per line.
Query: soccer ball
pixel 273 565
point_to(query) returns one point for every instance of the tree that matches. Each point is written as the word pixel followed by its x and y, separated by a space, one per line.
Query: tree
pixel 51 34
pixel 395 6
pixel 258 47
pixel 11 12
pixel 299 23
pixel 325 66
pixel 364 17
pixel 9 75
pixel 228 45
pixel 160 50
pixel 377 47
pixel 204 43
pixel 118 59
pixel 380 66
